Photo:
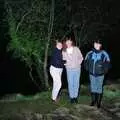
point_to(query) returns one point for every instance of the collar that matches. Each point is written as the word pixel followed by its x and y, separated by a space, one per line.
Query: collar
pixel 70 50
pixel 96 51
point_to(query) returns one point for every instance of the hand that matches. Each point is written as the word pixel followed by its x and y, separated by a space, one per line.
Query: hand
pixel 65 64
pixel 64 61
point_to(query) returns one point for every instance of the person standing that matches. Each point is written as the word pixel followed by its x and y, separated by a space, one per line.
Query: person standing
pixel 73 57
pixel 56 69
pixel 97 63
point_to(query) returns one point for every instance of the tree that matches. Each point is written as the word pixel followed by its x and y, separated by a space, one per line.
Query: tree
pixel 88 20
pixel 28 28
pixel 33 26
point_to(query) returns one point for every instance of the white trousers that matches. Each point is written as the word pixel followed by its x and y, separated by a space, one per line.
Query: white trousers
pixel 56 74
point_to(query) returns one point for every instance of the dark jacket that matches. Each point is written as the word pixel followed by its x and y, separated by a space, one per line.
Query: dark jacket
pixel 97 62
pixel 56 59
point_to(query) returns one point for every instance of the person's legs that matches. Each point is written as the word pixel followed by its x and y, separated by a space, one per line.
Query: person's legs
pixel 56 75
pixel 76 83
pixel 99 83
pixel 70 75
pixel 100 80
pixel 93 89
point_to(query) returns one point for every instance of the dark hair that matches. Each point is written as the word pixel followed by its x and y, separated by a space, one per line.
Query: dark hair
pixel 55 41
pixel 58 41
pixel 69 38
pixel 98 41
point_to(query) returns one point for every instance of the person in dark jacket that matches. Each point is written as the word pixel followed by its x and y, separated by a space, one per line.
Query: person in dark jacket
pixel 97 63
pixel 56 68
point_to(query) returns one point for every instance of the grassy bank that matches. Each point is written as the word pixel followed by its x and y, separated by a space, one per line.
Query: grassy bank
pixel 41 102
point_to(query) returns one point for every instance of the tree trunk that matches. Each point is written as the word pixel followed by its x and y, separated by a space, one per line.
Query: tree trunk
pixel 31 76
pixel 50 28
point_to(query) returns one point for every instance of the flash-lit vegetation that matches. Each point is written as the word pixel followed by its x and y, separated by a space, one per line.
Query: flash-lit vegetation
pixel 34 27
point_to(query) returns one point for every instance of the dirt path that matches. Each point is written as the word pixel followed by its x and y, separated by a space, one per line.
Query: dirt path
pixel 112 110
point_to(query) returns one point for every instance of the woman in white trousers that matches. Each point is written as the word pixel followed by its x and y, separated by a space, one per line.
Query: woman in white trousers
pixel 56 74
pixel 56 69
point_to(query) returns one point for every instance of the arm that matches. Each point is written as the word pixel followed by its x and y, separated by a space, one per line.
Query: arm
pixel 64 57
pixel 80 56
pixel 107 58
pixel 86 61
pixel 107 64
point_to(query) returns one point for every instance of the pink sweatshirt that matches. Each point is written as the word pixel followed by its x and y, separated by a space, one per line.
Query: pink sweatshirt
pixel 73 60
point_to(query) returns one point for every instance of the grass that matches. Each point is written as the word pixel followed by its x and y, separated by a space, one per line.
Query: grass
pixel 112 92
pixel 41 102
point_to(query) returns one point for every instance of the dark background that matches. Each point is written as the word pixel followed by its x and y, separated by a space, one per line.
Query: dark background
pixel 14 75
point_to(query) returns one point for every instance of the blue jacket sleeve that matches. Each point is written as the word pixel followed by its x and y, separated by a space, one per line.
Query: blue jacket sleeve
pixel 107 64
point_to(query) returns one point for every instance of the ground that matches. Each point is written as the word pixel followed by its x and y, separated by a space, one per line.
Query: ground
pixel 40 106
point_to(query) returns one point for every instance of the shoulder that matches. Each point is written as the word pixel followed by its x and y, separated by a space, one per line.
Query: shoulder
pixel 55 49
pixel 90 52
pixel 104 52
pixel 76 48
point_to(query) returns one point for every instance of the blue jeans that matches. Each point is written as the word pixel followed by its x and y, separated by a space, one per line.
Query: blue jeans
pixel 73 77
pixel 96 84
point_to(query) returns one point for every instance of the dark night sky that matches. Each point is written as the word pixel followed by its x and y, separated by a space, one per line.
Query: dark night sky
pixel 14 76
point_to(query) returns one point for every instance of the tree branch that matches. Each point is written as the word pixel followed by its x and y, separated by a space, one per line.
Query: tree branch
pixel 23 17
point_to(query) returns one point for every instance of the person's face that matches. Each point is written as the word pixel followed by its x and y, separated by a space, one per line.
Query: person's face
pixel 69 43
pixel 59 45
pixel 97 46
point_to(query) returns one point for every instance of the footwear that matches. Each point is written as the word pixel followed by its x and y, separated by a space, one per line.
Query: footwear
pixel 55 101
pixel 92 103
pixel 72 100
pixel 75 100
pixel 99 99
pixel 93 97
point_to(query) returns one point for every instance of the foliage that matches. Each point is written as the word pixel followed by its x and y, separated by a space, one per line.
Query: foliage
pixel 89 21
pixel 62 20
pixel 33 27
pixel 28 29
pixel 29 37
pixel 112 91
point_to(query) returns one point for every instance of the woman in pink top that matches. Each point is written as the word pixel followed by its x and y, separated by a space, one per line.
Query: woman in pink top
pixel 73 57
